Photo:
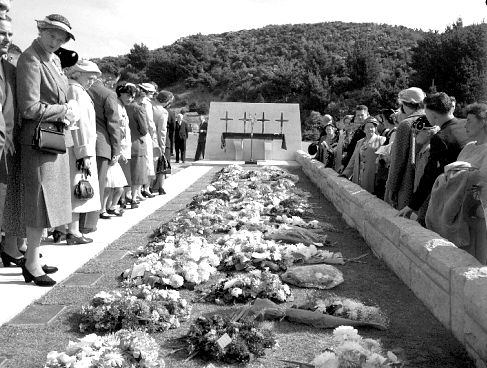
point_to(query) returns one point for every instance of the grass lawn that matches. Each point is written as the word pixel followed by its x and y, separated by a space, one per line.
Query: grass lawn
pixel 425 342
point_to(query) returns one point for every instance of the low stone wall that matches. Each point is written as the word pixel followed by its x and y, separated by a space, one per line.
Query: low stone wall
pixel 449 281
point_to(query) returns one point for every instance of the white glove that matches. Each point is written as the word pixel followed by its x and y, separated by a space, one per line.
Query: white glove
pixel 74 112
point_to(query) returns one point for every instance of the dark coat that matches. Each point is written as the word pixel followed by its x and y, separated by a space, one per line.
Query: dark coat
pixel 181 131
pixel 445 147
pixel 138 128
pixel 107 121
pixel 9 103
pixel 42 89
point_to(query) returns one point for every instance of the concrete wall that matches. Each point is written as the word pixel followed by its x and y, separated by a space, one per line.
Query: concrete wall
pixel 449 281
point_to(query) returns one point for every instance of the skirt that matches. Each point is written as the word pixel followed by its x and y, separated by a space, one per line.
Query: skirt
pixel 115 177
pixel 84 205
pixel 138 170
pixel 149 156
pixel 126 171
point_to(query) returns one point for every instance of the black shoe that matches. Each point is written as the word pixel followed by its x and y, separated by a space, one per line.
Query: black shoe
pixel 146 194
pixel 105 216
pixel 73 239
pixel 42 280
pixel 58 236
pixel 122 203
pixel 162 191
pixel 134 205
pixel 8 260
pixel 49 269
pixel 115 212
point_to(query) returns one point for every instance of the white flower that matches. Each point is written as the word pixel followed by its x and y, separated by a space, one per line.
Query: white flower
pixel 326 360
pixel 176 281
pixel 343 333
pixel 236 292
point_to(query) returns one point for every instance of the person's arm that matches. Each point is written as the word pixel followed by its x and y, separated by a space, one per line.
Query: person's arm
pixel 110 110
pixel 141 119
pixel 348 171
pixel 400 154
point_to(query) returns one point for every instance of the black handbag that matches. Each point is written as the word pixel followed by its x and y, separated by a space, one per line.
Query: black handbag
pixel 163 166
pixel 83 189
pixel 49 137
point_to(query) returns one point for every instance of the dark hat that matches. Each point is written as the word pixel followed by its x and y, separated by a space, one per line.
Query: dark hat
pixel 68 57
pixel 372 120
pixel 313 149
pixel 164 97
pixel 56 21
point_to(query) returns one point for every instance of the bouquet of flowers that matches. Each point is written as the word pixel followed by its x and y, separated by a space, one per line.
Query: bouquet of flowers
pixel 246 250
pixel 350 350
pixel 146 308
pixel 185 260
pixel 347 308
pixel 218 339
pixel 135 349
pixel 244 287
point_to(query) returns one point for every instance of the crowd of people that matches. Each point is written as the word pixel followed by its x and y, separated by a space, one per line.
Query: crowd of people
pixel 72 150
pixel 420 159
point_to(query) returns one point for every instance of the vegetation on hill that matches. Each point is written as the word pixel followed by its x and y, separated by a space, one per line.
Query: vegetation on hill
pixel 325 67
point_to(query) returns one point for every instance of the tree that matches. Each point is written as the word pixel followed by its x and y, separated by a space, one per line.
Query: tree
pixel 139 56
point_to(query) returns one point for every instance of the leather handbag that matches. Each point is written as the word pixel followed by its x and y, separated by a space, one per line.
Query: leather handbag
pixel 163 166
pixel 83 189
pixel 49 137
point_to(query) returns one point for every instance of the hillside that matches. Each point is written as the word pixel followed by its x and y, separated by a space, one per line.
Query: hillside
pixel 325 67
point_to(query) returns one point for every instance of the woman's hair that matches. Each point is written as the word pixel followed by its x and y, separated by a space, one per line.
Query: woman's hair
pixel 438 102
pixel 40 29
pixel 129 88
pixel 388 115
pixel 479 110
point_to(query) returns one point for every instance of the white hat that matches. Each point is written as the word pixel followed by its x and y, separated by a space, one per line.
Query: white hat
pixel 56 21
pixel 148 87
pixel 411 95
pixel 86 66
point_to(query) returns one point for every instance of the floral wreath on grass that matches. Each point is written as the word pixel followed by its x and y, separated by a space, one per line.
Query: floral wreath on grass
pixel 246 287
pixel 351 350
pixel 134 349
pixel 219 339
pixel 141 308
pixel 347 308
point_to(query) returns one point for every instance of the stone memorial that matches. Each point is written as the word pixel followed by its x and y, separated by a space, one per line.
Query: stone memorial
pixel 253 131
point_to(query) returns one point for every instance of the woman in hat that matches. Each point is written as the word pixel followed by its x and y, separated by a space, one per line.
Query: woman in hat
pixel 362 166
pixel 42 93
pixel 147 92
pixel 126 94
pixel 161 116
pixel 327 146
pixel 82 154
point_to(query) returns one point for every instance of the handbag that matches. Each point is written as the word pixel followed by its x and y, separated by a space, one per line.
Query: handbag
pixel 49 137
pixel 83 189
pixel 163 166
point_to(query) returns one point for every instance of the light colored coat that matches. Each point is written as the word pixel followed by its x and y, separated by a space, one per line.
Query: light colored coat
pixel 363 169
pixel 42 89
pixel 84 145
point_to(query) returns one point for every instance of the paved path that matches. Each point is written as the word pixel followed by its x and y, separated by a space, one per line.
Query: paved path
pixel 69 258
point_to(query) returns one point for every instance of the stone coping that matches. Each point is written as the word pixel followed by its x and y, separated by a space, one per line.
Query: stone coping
pixel 448 280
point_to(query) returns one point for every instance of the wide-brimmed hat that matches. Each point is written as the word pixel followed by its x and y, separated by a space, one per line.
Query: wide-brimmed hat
pixel 86 66
pixel 147 87
pixel 411 95
pixel 56 21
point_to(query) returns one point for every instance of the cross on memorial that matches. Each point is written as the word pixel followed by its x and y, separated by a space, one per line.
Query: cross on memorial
pixel 226 118
pixel 281 120
pixel 263 120
pixel 245 119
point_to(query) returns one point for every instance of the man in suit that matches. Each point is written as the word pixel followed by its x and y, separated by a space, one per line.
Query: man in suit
pixel 200 148
pixel 8 108
pixel 180 135
pixel 107 142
